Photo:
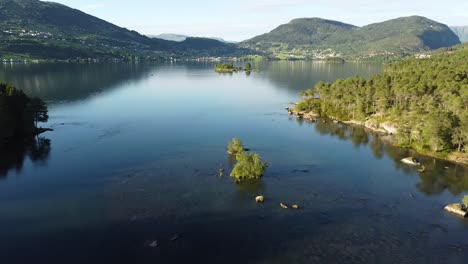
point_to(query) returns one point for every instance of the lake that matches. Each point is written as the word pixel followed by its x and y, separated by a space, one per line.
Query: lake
pixel 130 173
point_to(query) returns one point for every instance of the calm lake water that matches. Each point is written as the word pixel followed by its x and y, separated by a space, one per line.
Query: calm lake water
pixel 135 154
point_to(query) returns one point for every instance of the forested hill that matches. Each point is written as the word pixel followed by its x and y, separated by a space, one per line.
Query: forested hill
pixel 37 29
pixel 393 37
pixel 427 99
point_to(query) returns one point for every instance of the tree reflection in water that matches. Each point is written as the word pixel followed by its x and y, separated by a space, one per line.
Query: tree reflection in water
pixel 439 175
pixel 13 154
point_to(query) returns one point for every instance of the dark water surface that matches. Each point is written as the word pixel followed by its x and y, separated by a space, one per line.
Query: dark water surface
pixel 135 155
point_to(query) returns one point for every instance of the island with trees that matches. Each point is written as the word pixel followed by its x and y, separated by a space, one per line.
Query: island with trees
pixel 423 103
pixel 19 114
pixel 249 166
pixel 230 68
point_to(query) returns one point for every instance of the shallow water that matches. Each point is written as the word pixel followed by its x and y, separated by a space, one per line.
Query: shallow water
pixel 135 154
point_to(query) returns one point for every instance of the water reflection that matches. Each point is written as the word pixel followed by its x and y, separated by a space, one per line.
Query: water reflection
pixel 347 133
pixel 13 155
pixel 300 75
pixel 69 82
pixel 438 177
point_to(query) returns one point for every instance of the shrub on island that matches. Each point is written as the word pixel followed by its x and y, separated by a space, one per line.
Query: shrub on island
pixel 235 146
pixel 249 167
pixel 465 202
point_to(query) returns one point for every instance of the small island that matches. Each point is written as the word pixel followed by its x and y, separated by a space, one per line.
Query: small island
pixel 19 114
pixel 249 166
pixel 230 68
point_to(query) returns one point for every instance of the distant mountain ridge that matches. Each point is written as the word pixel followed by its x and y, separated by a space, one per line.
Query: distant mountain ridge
pixel 401 35
pixel 461 32
pixel 37 29
pixel 180 38
pixel 46 30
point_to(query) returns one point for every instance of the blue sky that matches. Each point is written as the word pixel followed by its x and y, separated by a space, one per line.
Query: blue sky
pixel 243 19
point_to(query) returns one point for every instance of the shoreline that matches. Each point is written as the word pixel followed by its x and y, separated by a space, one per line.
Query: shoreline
pixel 386 129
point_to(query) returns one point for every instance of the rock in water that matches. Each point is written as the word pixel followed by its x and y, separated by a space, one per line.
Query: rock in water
pixel 456 209
pixel 283 206
pixel 295 206
pixel 153 244
pixel 411 161
pixel 259 199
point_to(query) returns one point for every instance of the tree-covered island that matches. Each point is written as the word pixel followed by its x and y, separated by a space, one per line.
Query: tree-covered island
pixel 19 114
pixel 422 102
pixel 230 68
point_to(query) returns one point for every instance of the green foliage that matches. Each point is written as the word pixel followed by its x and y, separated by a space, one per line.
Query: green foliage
pixel 226 68
pixel 18 113
pixel 248 66
pixel 303 37
pixel 465 201
pixel 39 110
pixel 249 167
pixel 426 98
pixel 235 146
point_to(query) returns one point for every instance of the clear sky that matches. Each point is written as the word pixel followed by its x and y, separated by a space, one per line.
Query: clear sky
pixel 243 19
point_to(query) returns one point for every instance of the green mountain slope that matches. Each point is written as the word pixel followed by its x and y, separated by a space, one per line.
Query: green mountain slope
pixel 461 32
pixel 209 47
pixel 37 29
pixel 304 31
pixel 46 29
pixel 313 36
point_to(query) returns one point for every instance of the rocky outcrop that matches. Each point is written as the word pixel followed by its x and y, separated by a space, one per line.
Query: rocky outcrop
pixel 373 126
pixel 310 116
pixel 456 209
pixel 391 128
pixel 259 199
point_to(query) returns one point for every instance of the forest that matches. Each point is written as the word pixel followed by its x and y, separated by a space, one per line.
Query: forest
pixel 427 99
pixel 19 114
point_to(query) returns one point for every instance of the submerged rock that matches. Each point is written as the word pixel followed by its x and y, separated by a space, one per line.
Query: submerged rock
pixel 456 209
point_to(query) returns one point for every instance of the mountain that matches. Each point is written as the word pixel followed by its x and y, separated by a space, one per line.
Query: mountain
pixel 180 38
pixel 209 47
pixel 313 36
pixel 461 32
pixel 47 30
pixel 37 29
pixel 303 31
pixel 50 30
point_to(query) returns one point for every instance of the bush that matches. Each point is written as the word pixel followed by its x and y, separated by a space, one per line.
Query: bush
pixel 465 201
pixel 248 167
pixel 235 146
